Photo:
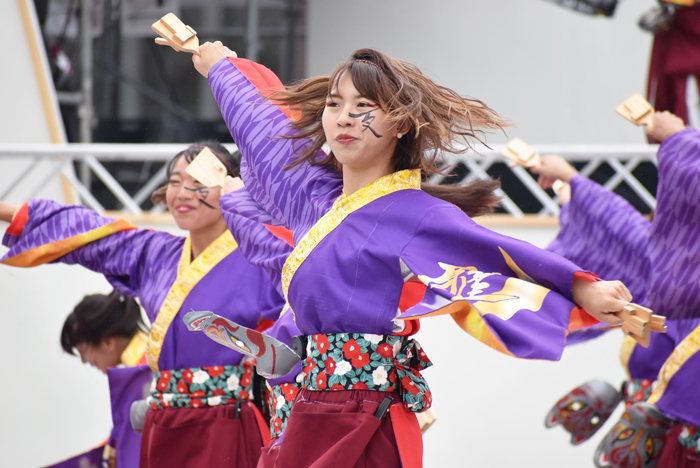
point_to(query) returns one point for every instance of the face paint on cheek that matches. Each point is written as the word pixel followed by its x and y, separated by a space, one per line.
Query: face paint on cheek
pixel 203 194
pixel 367 119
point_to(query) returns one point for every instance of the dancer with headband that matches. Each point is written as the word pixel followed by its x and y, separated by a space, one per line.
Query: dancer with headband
pixel 363 227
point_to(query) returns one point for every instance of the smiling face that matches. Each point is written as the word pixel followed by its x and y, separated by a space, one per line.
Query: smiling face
pixel 357 130
pixel 194 207
pixel 103 356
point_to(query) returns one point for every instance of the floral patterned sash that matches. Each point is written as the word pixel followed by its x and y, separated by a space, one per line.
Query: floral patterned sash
pixel 357 361
pixel 637 390
pixel 198 387
pixel 690 438
pixel 279 405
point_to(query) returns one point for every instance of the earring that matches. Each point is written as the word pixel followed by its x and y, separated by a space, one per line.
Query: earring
pixel 399 135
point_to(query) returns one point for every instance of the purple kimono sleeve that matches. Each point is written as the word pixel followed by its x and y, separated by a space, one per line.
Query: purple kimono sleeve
pixel 77 235
pixel 257 243
pixel 602 232
pixel 674 249
pixel 296 197
pixel 518 296
pixel 262 248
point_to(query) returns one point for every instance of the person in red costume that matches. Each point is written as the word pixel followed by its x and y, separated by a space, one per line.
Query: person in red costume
pixel 675 64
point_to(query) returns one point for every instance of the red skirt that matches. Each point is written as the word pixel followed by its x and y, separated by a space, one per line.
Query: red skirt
pixel 269 455
pixel 675 455
pixel 339 429
pixel 203 437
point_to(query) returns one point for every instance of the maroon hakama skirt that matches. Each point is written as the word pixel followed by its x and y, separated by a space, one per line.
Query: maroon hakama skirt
pixel 203 437
pixel 675 455
pixel 269 455
pixel 339 429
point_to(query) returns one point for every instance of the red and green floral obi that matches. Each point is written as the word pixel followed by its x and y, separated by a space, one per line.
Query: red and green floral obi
pixel 637 390
pixel 363 361
pixel 279 405
pixel 198 387
pixel 690 438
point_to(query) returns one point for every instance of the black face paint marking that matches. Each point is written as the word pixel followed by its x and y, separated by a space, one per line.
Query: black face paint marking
pixel 203 194
pixel 367 119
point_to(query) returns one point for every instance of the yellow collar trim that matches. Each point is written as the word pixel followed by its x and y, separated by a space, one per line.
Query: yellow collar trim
pixel 188 275
pixel 132 355
pixel 626 350
pixel 684 351
pixel 343 206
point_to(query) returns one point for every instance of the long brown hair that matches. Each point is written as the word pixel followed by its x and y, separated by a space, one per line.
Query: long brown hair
pixel 438 120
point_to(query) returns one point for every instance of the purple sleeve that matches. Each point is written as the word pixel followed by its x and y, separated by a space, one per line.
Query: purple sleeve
pixel 674 249
pixel 522 293
pixel 258 245
pixel 262 248
pixel 603 233
pixel 122 256
pixel 297 197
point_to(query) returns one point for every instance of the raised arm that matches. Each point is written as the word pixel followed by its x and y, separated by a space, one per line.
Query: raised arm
pixel 298 197
pixel 44 231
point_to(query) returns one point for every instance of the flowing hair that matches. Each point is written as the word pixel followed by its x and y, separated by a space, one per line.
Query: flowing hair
pixel 438 121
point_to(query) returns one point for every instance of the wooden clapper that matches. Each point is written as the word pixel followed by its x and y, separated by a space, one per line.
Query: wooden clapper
pixel 638 322
pixel 176 34
pixel 426 419
pixel 637 110
pixel 522 154
pixel 207 169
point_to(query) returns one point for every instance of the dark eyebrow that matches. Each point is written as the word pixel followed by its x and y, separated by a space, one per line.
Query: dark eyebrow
pixel 357 96
pixel 176 173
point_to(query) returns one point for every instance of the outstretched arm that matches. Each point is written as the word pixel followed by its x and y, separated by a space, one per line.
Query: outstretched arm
pixel 514 297
pixel 44 231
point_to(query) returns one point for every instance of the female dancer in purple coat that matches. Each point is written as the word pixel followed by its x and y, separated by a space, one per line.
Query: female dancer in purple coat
pixel 201 392
pixel 363 227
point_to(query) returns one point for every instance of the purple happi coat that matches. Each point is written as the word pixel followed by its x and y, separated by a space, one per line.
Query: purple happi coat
pixel 127 385
pixel 143 263
pixel 354 253
pixel 602 232
pixel 675 285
